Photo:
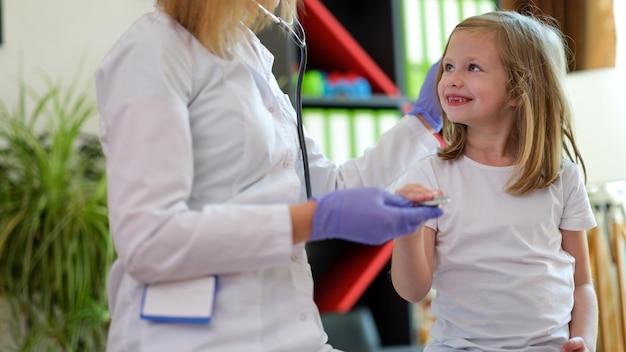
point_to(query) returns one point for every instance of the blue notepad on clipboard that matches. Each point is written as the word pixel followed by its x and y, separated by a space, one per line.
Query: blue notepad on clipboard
pixel 183 302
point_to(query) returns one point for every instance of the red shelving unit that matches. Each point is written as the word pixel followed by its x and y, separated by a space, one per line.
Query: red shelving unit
pixel 332 47
pixel 339 289
pixel 335 48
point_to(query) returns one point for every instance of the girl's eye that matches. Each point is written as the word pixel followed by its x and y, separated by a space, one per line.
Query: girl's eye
pixel 474 68
pixel 448 67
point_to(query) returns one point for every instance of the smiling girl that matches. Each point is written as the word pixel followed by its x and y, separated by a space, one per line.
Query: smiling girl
pixel 509 258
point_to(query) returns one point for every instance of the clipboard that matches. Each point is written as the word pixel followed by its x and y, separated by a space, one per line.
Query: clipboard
pixel 181 302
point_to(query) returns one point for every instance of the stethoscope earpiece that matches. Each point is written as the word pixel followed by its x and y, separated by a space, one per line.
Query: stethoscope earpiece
pixel 299 36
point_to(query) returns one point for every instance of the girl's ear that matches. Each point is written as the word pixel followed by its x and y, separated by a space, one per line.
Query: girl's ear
pixel 514 99
pixel 514 102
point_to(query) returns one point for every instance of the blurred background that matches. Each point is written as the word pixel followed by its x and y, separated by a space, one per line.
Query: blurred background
pixel 367 60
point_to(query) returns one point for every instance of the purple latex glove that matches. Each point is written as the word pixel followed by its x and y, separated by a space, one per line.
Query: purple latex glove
pixel 367 215
pixel 427 103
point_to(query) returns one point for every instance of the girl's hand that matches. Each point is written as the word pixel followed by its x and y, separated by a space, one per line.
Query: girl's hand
pixel 416 192
pixel 575 344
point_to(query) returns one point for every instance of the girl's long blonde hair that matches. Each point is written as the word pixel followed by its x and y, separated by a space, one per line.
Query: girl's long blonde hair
pixel 216 23
pixel 534 54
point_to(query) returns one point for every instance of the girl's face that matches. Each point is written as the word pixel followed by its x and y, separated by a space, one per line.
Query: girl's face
pixel 472 89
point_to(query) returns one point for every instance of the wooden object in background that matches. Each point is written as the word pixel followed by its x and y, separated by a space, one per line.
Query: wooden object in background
pixel 608 284
pixel 588 24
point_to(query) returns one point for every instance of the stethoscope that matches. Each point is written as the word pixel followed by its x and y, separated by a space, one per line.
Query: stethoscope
pixel 299 37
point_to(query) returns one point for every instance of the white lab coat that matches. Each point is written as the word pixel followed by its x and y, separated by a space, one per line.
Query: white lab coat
pixel 202 164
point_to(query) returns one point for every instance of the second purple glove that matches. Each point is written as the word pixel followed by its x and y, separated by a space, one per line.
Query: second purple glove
pixel 367 215
pixel 427 103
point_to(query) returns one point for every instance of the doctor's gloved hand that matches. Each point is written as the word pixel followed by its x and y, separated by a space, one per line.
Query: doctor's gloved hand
pixel 427 103
pixel 367 215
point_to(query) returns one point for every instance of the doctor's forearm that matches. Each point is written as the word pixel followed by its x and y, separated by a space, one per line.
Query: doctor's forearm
pixel 302 221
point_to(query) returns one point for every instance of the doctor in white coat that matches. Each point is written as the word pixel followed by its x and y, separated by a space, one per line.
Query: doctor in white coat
pixel 207 202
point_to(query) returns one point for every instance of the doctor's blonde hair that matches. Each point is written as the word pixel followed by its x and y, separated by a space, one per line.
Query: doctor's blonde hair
pixel 534 55
pixel 217 23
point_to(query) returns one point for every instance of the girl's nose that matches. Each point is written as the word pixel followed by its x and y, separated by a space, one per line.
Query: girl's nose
pixel 453 80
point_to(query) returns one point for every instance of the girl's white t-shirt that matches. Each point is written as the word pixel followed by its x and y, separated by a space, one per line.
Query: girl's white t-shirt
pixel 502 280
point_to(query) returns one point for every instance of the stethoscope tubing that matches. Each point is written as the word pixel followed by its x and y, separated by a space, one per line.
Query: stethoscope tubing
pixel 299 37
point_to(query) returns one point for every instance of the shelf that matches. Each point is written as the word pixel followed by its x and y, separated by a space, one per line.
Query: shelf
pixel 377 101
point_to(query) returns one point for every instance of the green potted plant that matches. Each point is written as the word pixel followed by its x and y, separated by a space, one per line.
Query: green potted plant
pixel 55 248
